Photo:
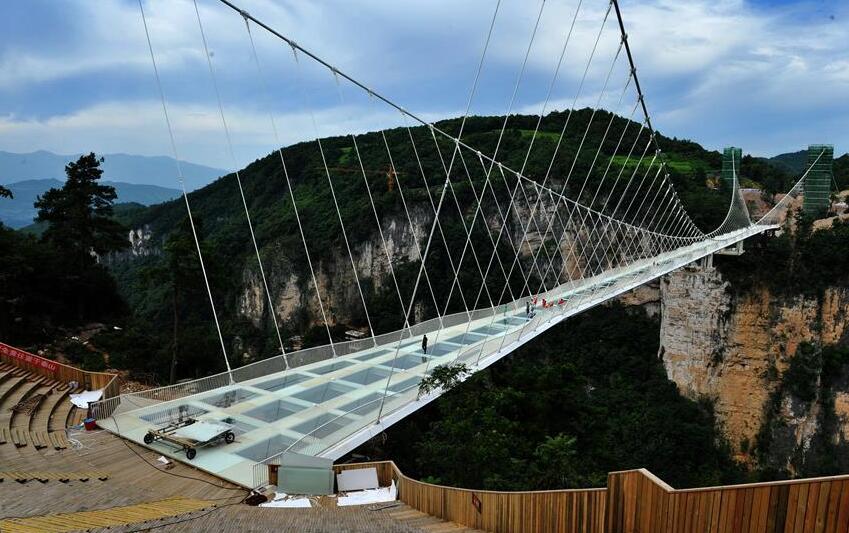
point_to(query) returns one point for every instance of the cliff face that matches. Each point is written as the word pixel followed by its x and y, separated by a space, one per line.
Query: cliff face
pixel 295 297
pixel 735 350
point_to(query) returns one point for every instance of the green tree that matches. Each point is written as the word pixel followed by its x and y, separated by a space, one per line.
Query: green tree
pixel 444 377
pixel 179 274
pixel 557 459
pixel 79 215
pixel 80 228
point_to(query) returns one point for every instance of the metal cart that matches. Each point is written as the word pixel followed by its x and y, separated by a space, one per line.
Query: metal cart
pixel 189 434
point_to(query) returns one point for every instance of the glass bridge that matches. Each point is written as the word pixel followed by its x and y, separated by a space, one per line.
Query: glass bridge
pixel 330 400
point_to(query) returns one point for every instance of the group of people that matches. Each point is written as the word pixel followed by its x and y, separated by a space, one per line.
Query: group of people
pixel 530 311
pixel 530 306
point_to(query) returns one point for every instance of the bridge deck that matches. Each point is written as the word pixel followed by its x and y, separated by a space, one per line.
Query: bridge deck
pixel 322 399
pixel 328 407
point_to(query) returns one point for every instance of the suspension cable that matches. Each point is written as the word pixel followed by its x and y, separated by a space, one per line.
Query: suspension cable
pixel 288 183
pixel 271 310
pixel 183 188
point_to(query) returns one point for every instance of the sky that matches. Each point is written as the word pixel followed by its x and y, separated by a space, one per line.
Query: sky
pixel 771 76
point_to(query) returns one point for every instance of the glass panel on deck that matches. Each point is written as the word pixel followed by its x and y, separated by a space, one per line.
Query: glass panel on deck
pixel 282 382
pixel 271 412
pixel 266 448
pixel 332 367
pixel 367 375
pixel 231 397
pixel 322 393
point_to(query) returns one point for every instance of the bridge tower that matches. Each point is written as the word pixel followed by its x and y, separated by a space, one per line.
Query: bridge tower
pixel 818 181
pixel 731 158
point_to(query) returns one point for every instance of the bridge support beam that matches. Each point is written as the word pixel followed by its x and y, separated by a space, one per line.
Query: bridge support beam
pixel 736 249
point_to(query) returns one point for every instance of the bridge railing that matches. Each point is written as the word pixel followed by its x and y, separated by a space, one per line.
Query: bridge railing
pixel 136 400
pixel 580 293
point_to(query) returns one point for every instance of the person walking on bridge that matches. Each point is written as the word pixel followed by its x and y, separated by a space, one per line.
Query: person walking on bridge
pixel 424 344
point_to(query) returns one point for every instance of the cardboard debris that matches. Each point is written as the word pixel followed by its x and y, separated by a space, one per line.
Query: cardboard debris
pixel 363 497
pixel 84 398
pixel 281 499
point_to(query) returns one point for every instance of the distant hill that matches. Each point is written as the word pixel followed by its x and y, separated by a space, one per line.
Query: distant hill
pixel 795 162
pixel 129 169
pixel 19 211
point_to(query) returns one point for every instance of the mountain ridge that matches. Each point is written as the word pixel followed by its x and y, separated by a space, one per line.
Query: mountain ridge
pixel 19 211
pixel 119 167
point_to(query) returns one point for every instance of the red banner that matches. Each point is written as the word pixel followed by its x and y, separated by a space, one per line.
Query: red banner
pixel 27 357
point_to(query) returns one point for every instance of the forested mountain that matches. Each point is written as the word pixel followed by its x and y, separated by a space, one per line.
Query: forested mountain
pixel 226 237
pixel 795 163
pixel 226 233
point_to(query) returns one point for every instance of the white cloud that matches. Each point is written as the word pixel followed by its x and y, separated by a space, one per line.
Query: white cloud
pixel 718 71
pixel 138 126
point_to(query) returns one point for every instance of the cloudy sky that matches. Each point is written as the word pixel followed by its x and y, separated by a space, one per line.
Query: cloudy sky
pixel 76 75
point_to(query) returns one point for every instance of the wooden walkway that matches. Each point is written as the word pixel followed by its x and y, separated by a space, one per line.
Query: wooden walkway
pixel 107 518
pixel 377 518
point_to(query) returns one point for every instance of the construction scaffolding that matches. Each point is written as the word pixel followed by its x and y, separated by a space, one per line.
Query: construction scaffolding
pixel 731 158
pixel 819 178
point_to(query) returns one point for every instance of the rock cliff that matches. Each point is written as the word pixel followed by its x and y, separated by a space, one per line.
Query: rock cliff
pixel 735 350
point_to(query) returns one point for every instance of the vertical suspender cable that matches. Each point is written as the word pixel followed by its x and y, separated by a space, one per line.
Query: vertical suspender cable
pixel 183 187
pixel 288 182
pixel 239 180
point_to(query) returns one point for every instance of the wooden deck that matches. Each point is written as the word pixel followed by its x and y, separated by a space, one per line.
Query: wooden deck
pixel 54 478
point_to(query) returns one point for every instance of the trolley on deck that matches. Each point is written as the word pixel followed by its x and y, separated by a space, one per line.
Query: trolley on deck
pixel 190 434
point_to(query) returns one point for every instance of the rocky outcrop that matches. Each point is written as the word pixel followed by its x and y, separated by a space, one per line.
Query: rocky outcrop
pixel 734 349
pixel 140 244
pixel 295 296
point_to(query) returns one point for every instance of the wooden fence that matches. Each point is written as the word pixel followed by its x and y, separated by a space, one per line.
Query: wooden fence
pixel 634 501
pixel 540 511
pixel 64 373
pixel 640 502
